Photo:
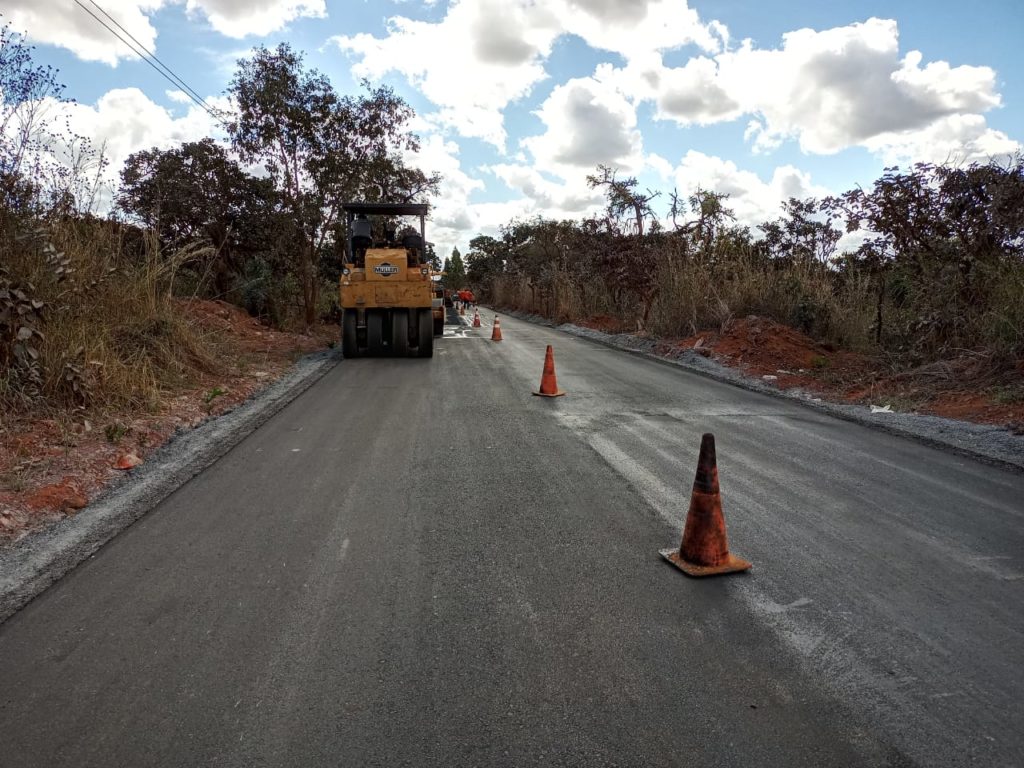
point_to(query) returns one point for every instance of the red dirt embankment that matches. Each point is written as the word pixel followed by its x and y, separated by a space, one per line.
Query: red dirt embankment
pixel 51 466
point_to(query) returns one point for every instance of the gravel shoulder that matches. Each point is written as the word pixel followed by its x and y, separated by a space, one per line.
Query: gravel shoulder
pixel 986 442
pixel 35 562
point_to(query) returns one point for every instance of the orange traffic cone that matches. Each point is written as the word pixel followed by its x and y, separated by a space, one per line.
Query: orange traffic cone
pixel 496 330
pixel 548 382
pixel 705 549
pixel 476 319
pixel 462 310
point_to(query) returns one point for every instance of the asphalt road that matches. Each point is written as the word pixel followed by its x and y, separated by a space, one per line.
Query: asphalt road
pixel 417 563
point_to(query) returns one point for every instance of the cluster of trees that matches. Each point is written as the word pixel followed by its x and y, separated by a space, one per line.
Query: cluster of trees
pixel 267 203
pixel 317 149
pixel 939 267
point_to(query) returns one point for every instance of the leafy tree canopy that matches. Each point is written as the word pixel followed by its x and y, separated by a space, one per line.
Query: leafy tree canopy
pixel 320 148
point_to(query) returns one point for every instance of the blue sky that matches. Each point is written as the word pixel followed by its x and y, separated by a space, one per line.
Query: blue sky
pixel 518 101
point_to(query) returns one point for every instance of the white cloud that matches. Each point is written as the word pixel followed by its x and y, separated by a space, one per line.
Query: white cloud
pixel 481 57
pixel 486 54
pixel 692 94
pixel 559 200
pixel 659 165
pixel 65 24
pixel 829 90
pixel 241 18
pixel 826 90
pixel 752 199
pixel 125 120
pixel 841 87
pixel 455 219
pixel 490 217
pixel 638 27
pixel 451 216
pixel 955 138
pixel 223 63
pixel 178 96
pixel 587 123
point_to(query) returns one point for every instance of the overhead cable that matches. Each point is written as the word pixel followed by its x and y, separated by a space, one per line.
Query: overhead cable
pixel 151 59
pixel 155 58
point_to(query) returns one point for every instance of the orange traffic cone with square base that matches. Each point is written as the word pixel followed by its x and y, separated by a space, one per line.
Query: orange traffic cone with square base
pixel 476 319
pixel 548 382
pixel 496 330
pixel 705 549
pixel 462 310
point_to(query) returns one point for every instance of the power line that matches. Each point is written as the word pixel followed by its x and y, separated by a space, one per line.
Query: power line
pixel 169 77
pixel 154 57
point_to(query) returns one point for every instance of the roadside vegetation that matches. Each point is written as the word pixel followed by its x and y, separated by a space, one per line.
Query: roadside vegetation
pixel 933 293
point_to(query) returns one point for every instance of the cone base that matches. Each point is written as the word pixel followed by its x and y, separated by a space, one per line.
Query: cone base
pixel 732 565
pixel 559 393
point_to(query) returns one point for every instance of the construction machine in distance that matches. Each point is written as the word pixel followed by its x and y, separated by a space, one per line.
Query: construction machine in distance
pixel 387 289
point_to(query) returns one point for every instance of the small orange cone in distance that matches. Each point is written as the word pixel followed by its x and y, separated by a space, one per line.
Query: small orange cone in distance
pixel 548 382
pixel 496 330
pixel 476 319
pixel 462 310
pixel 705 549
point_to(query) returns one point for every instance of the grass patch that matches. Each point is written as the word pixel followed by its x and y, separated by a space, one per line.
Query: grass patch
pixel 114 432
pixel 212 395
pixel 110 334
pixel 1009 395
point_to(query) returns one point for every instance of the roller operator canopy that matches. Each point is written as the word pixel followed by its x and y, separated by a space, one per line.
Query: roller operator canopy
pixel 387 209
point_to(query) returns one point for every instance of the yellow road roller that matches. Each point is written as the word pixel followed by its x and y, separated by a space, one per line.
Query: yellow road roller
pixel 387 290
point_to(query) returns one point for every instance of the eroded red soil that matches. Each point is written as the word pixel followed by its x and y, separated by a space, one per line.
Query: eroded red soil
pixel 605 323
pixel 964 388
pixel 51 467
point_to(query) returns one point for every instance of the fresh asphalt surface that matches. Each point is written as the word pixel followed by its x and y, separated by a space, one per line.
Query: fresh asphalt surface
pixel 417 563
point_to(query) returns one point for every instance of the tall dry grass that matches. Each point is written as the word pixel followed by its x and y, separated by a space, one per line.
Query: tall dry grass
pixel 112 334
pixel 694 296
